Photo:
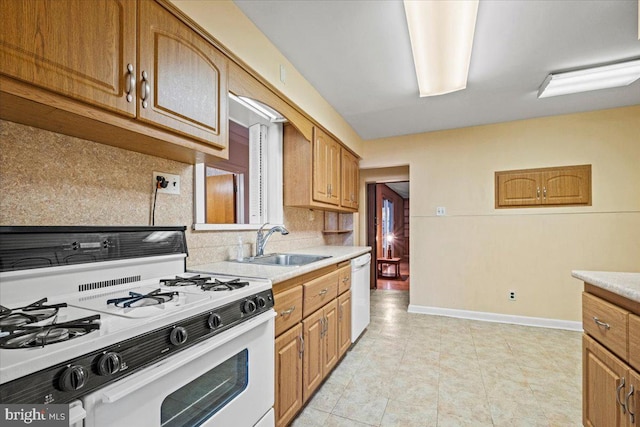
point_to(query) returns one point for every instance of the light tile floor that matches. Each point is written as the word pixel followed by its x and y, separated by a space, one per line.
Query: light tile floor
pixel 418 370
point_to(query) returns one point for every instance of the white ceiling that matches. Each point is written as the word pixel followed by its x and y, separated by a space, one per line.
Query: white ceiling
pixel 357 54
pixel 402 188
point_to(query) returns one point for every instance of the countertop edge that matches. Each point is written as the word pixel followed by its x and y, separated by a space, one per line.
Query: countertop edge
pixel 625 284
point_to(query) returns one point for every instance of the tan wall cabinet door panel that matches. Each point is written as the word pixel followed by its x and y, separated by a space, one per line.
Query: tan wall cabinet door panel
pixel 344 323
pixel 183 79
pixel 77 48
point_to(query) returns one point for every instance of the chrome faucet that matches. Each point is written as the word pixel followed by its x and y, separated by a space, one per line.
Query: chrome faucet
pixel 261 238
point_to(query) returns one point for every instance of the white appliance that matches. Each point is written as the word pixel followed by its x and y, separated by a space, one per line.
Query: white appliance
pixel 106 320
pixel 360 295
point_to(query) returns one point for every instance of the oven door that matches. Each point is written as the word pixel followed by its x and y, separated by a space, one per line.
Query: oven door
pixel 227 380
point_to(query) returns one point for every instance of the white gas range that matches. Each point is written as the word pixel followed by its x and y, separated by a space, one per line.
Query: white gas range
pixel 94 317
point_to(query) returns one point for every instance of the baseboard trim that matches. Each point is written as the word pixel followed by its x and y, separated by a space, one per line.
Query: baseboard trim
pixel 540 322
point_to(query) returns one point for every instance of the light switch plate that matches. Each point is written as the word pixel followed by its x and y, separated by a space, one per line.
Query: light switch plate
pixel 441 211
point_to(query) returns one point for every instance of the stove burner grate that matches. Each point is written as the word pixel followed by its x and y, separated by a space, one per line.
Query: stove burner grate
pixel 32 313
pixel 142 300
pixel 218 285
pixel 185 281
pixel 39 336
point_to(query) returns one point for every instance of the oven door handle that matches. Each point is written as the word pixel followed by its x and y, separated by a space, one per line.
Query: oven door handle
pixel 130 384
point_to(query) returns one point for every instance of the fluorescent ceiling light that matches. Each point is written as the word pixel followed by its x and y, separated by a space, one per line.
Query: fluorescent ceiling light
pixel 259 108
pixel 441 33
pixel 607 76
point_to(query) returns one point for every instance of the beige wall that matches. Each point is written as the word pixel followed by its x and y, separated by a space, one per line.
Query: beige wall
pixel 472 257
pixel 53 179
pixel 227 24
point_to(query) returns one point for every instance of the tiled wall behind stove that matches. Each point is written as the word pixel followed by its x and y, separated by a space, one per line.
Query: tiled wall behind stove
pixel 53 179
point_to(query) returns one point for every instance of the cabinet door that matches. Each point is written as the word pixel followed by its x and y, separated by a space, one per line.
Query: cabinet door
pixel 77 48
pixel 344 323
pixel 313 349
pixel 632 399
pixel 567 186
pixel 603 374
pixel 326 163
pixel 518 189
pixel 350 177
pixel 288 375
pixel 185 89
pixel 330 359
pixel 634 341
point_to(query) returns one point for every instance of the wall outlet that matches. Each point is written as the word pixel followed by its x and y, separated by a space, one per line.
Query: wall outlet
pixel 512 295
pixel 441 211
pixel 173 182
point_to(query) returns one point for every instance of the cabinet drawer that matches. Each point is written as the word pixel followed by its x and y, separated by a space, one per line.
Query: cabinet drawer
pixel 606 323
pixel 344 279
pixel 319 291
pixel 634 341
pixel 288 305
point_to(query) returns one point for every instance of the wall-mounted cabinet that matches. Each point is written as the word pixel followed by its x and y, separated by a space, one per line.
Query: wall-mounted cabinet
pixel 124 66
pixel 556 186
pixel 319 174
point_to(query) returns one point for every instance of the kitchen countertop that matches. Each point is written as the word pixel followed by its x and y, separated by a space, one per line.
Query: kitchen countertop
pixel 280 273
pixel 623 284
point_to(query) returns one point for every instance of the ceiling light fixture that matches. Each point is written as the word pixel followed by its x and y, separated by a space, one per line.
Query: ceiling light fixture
pixel 441 34
pixel 603 77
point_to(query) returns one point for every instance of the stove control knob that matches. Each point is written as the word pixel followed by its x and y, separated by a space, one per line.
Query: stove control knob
pixel 248 307
pixel 214 321
pixel 178 335
pixel 109 363
pixel 73 378
pixel 261 302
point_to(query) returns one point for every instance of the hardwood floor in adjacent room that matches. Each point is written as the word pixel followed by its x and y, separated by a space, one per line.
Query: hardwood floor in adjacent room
pixel 385 283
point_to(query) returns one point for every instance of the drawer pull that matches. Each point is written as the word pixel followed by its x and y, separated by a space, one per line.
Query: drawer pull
pixel 345 280
pixel 632 415
pixel 287 311
pixel 323 292
pixel 601 323
pixel 620 387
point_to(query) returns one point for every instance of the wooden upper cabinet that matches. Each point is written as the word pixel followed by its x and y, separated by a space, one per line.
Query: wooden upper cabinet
pixel 313 172
pixel 326 168
pixel 557 186
pixel 77 48
pixel 350 180
pixel 183 78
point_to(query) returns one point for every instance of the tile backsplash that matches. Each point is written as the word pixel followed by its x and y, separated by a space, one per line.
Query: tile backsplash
pixel 53 179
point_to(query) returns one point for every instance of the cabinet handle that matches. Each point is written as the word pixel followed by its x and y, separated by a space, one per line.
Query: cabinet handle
pixel 340 312
pixel 130 83
pixel 301 352
pixel 323 292
pixel 632 415
pixel 345 280
pixel 544 192
pixel 330 190
pixel 538 193
pixel 601 323
pixel 144 89
pixel 287 311
pixel 321 320
pixel 620 387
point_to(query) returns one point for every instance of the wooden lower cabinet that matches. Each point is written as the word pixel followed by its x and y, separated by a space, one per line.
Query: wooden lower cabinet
pixel 320 332
pixel 602 386
pixel 288 381
pixel 344 323
pixel 313 332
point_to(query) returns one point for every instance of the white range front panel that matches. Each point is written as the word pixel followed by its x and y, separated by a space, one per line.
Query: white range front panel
pixel 137 399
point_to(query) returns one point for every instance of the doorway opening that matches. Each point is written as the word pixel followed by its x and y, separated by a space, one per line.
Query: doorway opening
pixel 388 234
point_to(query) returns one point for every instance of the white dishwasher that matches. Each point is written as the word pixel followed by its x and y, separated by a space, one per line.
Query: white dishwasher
pixel 360 297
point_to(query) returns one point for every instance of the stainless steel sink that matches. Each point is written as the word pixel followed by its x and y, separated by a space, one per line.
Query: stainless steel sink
pixel 283 259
